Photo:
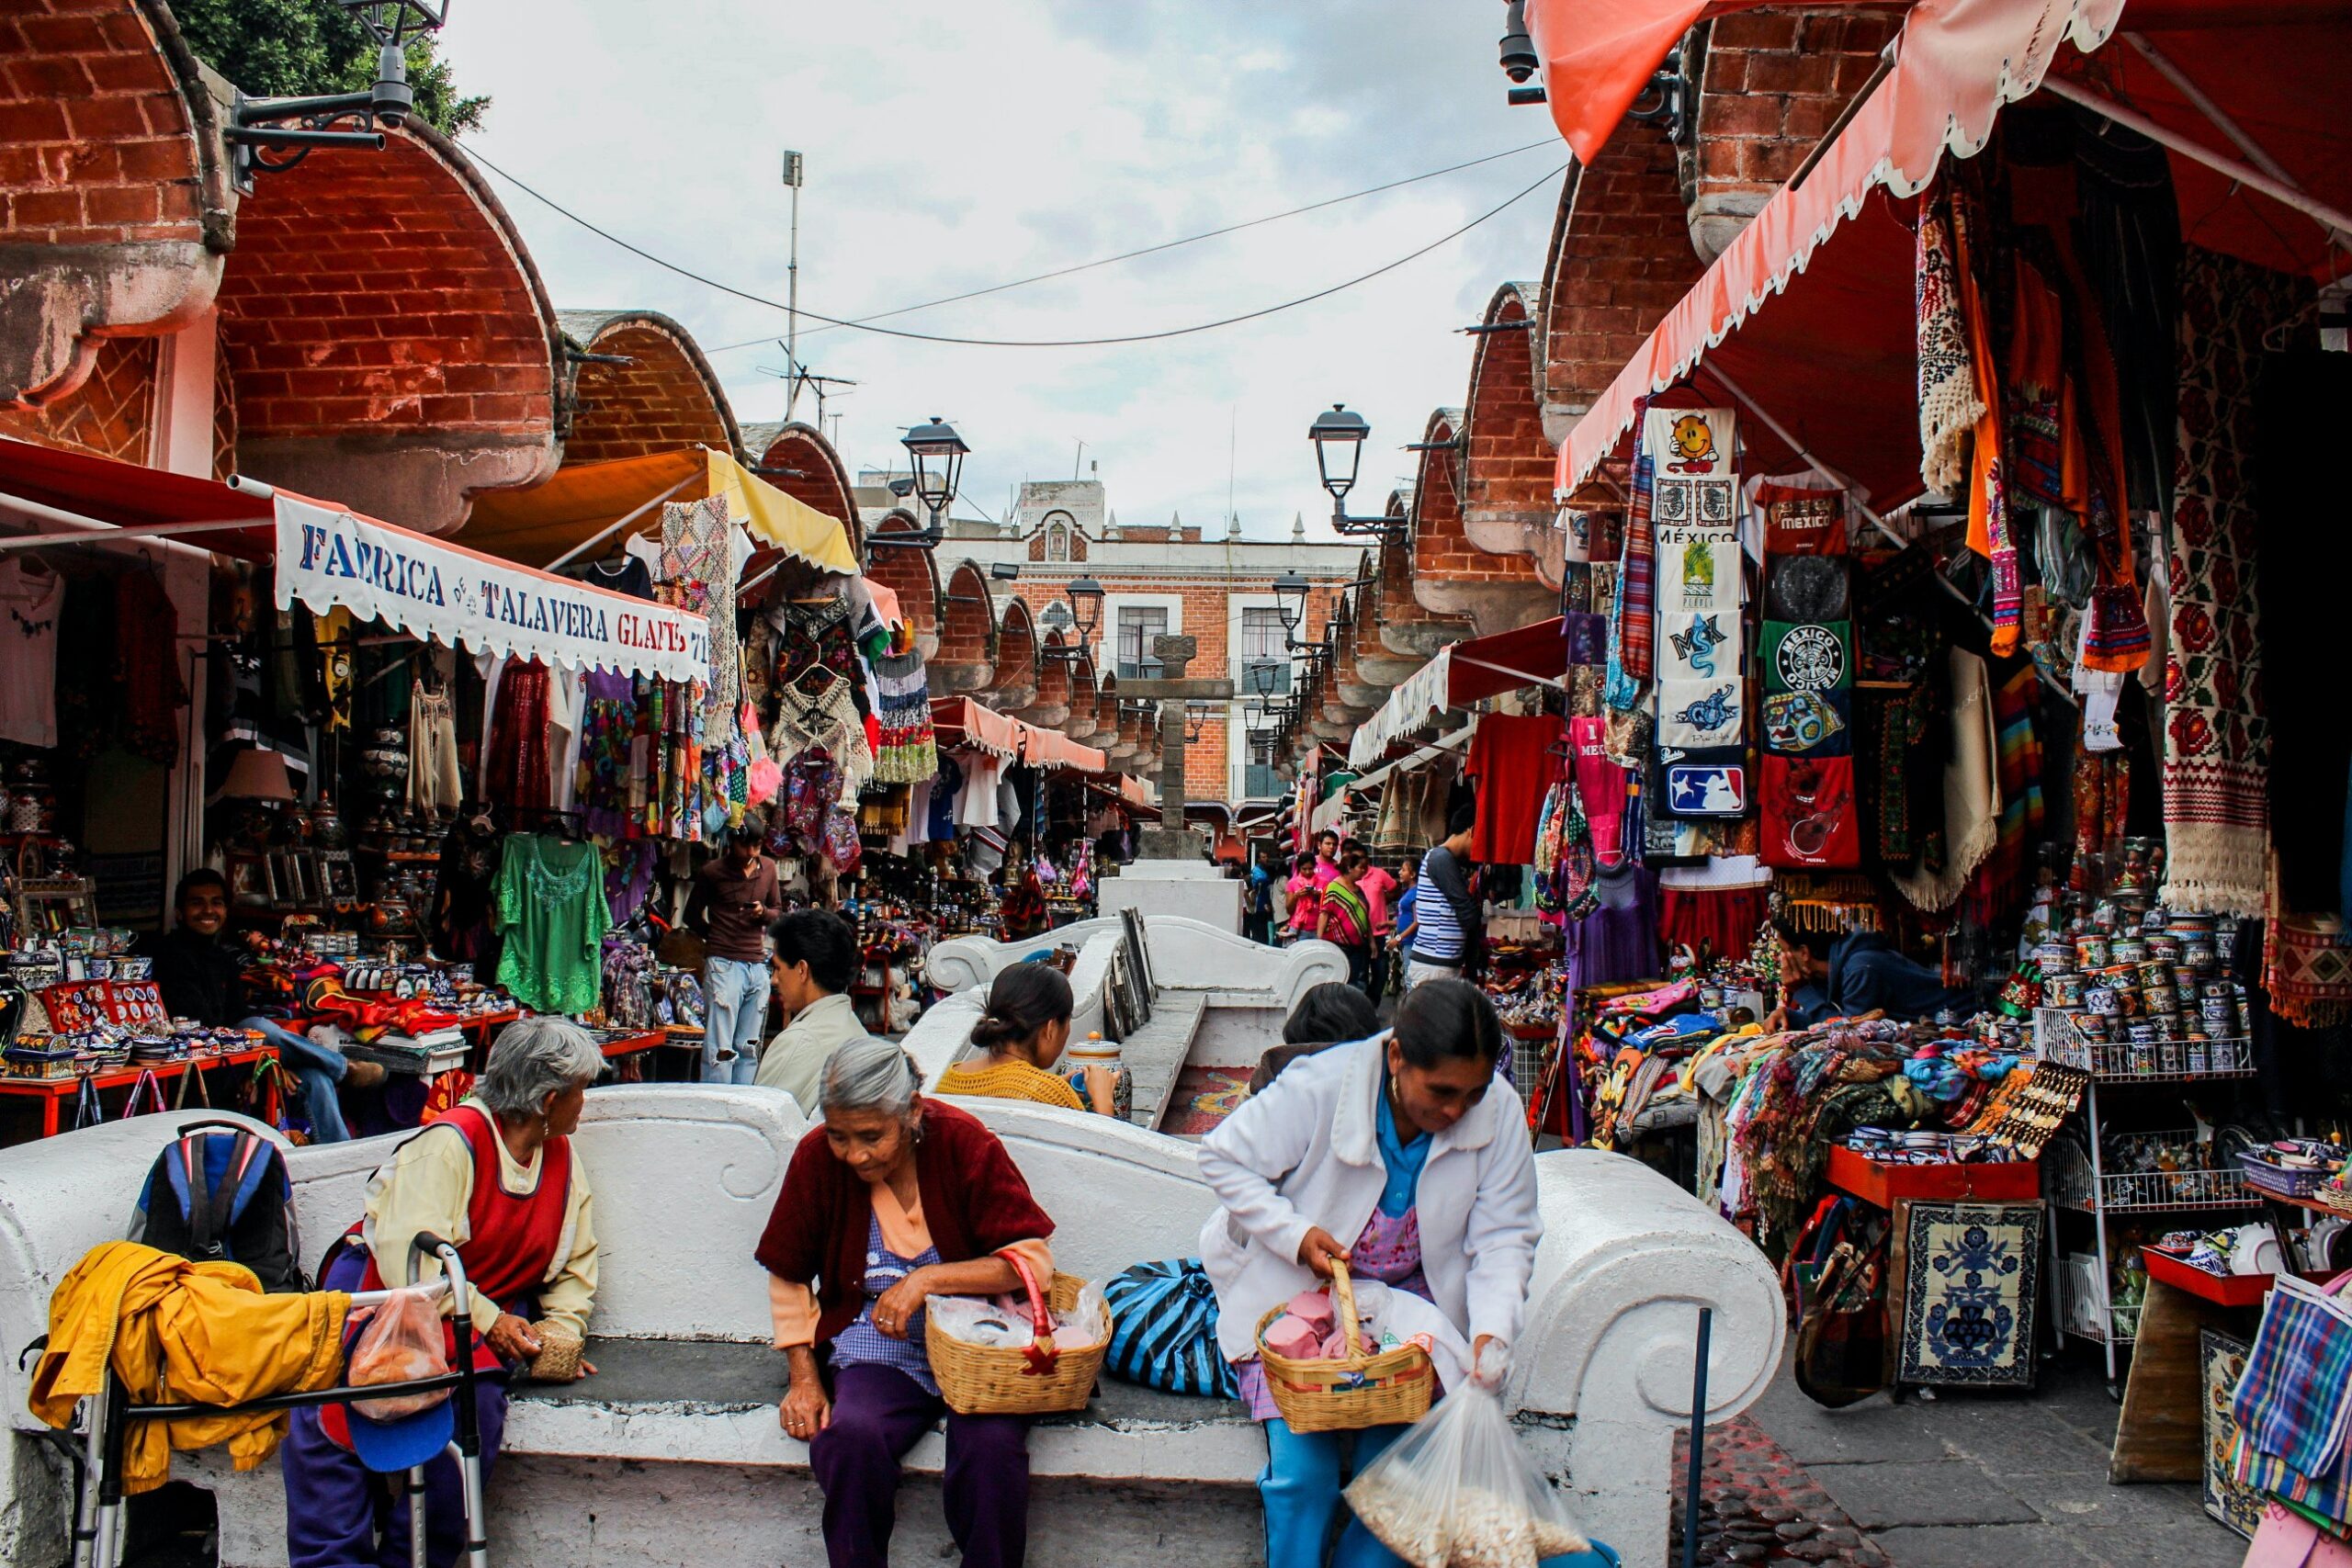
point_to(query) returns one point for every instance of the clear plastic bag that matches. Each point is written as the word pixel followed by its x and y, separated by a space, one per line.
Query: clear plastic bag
pixel 1456 1492
pixel 402 1341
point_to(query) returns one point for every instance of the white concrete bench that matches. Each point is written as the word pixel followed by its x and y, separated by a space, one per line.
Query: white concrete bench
pixel 1186 954
pixel 673 1455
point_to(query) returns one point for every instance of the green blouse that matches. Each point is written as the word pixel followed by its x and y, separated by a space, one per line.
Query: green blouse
pixel 552 916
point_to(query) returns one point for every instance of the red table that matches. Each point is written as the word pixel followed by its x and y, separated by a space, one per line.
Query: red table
pixel 53 1094
pixel 1881 1182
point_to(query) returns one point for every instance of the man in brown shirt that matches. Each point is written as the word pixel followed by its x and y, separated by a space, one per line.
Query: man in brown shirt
pixel 734 898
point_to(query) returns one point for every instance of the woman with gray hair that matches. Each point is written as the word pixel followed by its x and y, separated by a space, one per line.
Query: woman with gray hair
pixel 895 1199
pixel 496 1179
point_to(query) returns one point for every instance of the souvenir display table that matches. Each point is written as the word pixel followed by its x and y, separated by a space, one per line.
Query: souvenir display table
pixel 52 1099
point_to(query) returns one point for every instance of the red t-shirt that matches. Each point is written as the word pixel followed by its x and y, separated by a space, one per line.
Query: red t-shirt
pixel 1512 762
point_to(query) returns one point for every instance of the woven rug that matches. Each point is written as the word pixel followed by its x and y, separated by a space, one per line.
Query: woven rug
pixel 1969 1276
pixel 1205 1096
pixel 2217 736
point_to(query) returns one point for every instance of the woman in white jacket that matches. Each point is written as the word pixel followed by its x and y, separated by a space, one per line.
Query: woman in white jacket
pixel 1410 1147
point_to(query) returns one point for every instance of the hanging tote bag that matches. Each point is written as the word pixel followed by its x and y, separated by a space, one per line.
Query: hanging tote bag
pixel 146 1084
pixel 2295 1402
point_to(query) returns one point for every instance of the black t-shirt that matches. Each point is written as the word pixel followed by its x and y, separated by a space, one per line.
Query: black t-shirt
pixel 200 977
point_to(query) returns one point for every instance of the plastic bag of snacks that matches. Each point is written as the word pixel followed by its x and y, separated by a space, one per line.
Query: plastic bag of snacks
pixel 402 1342
pixel 1456 1492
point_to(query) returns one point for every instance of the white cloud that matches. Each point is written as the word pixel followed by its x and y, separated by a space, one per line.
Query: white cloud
pixel 954 146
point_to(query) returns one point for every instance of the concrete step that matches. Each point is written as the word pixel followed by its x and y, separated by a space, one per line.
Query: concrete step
pixel 1155 1054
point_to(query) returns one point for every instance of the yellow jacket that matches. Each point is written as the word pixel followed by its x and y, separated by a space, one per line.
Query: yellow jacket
pixel 178 1332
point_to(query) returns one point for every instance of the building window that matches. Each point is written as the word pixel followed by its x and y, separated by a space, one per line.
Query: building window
pixel 1057 526
pixel 1265 653
pixel 1260 782
pixel 1138 626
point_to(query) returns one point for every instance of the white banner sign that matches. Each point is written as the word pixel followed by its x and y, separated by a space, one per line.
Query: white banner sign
pixel 457 596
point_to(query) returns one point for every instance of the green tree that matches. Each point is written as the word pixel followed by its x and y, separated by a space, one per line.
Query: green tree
pixel 292 48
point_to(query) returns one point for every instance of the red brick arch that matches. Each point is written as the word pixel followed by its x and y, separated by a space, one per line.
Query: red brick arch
pixel 1415 630
pixel 914 576
pixel 1013 684
pixel 1085 698
pixel 114 189
pixel 392 342
pixel 1507 491
pixel 1051 707
pixel 813 472
pixel 667 397
pixel 966 661
pixel 1619 259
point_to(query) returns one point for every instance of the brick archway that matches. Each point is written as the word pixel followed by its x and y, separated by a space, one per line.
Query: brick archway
pixel 966 660
pixel 1619 259
pixel 1415 630
pixel 1085 698
pixel 914 576
pixel 117 188
pixel 1506 508
pixel 1051 707
pixel 391 343
pixel 803 466
pixel 667 397
pixel 1013 684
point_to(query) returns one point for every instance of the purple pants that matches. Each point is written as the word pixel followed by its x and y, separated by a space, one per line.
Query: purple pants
pixel 339 1514
pixel 879 1414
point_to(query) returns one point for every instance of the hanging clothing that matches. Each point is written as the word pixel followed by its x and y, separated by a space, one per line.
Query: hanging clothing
pixel 567 701
pixel 552 916
pixel 628 575
pixel 29 673
pixel 698 567
pixel 147 654
pixel 1511 759
pixel 514 767
pixel 433 781
pixel 1617 941
pixel 607 765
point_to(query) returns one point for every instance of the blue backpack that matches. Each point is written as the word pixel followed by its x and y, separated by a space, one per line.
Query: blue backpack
pixel 1164 1330
pixel 219 1193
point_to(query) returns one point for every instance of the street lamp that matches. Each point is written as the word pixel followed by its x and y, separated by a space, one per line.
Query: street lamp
pixel 1085 596
pixel 1339 438
pixel 938 454
pixel 297 126
pixel 1290 602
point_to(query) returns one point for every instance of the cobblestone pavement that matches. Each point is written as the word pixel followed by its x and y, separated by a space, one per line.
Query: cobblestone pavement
pixel 1962 1481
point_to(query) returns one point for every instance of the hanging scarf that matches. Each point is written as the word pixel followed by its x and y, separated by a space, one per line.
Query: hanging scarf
pixel 2217 732
pixel 1989 531
pixel 2019 767
pixel 1971 790
pixel 1949 407
pixel 1630 632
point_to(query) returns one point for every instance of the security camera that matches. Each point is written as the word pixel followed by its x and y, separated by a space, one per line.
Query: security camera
pixel 391 100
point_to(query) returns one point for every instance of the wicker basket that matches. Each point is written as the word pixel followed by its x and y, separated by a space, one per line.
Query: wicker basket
pixel 1371 1388
pixel 980 1379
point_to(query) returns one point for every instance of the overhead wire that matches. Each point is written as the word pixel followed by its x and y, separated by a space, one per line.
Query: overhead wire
pixel 865 324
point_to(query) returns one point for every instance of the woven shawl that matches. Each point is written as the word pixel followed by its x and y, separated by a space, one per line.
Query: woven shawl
pixel 1949 406
pixel 1971 790
pixel 2217 736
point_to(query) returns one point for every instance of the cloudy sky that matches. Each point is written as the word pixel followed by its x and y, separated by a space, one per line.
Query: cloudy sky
pixel 951 147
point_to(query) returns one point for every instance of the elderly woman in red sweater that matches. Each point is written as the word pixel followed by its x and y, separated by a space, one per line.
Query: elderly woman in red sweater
pixel 895 1199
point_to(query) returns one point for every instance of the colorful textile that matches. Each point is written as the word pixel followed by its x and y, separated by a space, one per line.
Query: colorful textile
pixel 2217 732
pixel 1809 724
pixel 1990 530
pixel 863 1345
pixel 1949 408
pixel 2017 767
pixel 1972 798
pixel 1631 629
pixel 698 567
pixel 515 773
pixel 2307 969
pixel 1970 1280
pixel 1813 656
pixel 2295 1402
pixel 1701 713
pixel 1809 814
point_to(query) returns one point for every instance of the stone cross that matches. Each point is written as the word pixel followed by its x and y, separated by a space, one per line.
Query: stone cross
pixel 1172 690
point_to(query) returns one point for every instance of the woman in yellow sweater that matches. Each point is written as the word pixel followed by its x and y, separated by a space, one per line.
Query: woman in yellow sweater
pixel 1024 1032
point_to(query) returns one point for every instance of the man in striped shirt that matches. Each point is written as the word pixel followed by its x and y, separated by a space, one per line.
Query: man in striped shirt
pixel 1448 924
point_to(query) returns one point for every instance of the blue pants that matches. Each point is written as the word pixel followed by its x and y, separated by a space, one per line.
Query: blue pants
pixel 735 1003
pixel 340 1514
pixel 318 1069
pixel 1301 1489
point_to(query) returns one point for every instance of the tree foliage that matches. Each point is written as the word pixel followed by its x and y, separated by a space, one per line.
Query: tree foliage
pixel 291 47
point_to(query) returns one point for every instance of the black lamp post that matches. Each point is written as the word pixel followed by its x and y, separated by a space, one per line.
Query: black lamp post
pixel 1339 438
pixel 1085 596
pixel 294 128
pixel 938 454
pixel 1290 602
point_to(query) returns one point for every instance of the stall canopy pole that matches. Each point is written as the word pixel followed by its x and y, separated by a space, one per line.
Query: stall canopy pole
pixel 106 532
pixel 1520 675
pixel 2209 110
pixel 2320 212
pixel 1880 523
pixel 590 543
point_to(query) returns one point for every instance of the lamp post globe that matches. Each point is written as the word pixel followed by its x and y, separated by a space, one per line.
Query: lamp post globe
pixel 1338 436
pixel 938 454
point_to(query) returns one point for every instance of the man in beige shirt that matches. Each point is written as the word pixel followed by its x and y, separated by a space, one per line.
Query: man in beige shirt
pixel 814 962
